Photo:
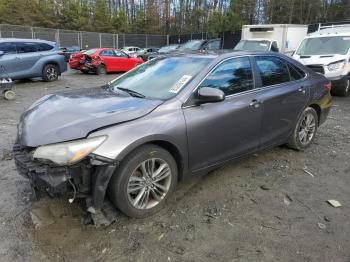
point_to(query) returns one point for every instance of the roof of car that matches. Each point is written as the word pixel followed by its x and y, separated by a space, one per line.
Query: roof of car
pixel 26 40
pixel 222 54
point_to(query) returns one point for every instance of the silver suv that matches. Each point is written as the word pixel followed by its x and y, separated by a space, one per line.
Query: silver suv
pixel 29 58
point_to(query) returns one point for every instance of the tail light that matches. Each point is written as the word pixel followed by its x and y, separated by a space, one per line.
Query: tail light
pixel 328 86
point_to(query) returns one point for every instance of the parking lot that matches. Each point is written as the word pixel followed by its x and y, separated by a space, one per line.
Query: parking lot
pixel 268 207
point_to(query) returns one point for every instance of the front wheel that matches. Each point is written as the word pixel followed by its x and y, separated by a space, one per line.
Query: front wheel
pixel 143 182
pixel 305 130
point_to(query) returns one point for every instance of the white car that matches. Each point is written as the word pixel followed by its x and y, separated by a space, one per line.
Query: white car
pixel 326 51
pixel 131 50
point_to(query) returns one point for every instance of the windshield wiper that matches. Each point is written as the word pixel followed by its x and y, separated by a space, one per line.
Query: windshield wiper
pixel 131 92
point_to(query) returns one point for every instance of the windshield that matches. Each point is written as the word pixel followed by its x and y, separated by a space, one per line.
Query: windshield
pixel 90 52
pixel 192 45
pixel 161 78
pixel 252 45
pixel 325 45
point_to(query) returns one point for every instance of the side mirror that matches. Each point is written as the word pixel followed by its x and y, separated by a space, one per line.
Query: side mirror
pixel 210 95
pixel 2 53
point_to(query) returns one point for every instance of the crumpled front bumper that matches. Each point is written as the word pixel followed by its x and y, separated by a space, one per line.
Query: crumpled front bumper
pixel 87 179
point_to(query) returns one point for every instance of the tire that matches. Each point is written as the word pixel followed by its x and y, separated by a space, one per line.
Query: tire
pixel 345 91
pixel 305 130
pixel 50 72
pixel 128 183
pixel 101 70
pixel 85 72
pixel 9 95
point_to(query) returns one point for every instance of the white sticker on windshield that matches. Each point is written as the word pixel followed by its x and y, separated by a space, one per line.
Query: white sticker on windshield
pixel 180 84
pixel 263 44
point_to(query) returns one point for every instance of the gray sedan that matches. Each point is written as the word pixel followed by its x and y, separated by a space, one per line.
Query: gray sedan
pixel 133 139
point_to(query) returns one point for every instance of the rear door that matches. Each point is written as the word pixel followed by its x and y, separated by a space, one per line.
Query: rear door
pixel 220 131
pixel 110 60
pixel 9 60
pixel 284 98
pixel 124 60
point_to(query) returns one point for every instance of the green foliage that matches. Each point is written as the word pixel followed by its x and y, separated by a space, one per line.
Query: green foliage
pixel 219 22
pixel 168 16
pixel 102 17
pixel 120 21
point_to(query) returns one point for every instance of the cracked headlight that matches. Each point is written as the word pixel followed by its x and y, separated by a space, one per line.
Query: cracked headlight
pixel 68 152
pixel 339 65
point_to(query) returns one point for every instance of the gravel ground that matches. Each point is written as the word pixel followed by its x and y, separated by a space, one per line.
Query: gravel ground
pixel 262 208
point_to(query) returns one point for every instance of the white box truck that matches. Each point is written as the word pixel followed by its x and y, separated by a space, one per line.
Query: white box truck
pixel 327 51
pixel 284 38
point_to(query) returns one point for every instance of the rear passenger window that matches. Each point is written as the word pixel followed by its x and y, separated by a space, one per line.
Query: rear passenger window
pixel 295 73
pixel 273 70
pixel 44 47
pixel 8 48
pixel 26 47
pixel 232 76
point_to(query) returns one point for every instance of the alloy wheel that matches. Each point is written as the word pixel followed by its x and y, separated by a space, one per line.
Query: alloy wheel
pixel 51 73
pixel 307 129
pixel 149 183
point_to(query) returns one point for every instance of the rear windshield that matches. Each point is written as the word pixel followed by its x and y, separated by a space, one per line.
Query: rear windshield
pixel 161 78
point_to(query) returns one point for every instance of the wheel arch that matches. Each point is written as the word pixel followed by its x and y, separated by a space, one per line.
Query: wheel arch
pixel 52 62
pixel 317 108
pixel 164 143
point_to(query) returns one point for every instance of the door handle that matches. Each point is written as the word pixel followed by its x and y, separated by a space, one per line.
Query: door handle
pixel 256 103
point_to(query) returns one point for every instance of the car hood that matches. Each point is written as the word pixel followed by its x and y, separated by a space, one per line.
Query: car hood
pixel 319 59
pixel 71 115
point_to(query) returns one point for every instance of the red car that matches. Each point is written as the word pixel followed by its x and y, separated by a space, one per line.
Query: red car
pixel 103 60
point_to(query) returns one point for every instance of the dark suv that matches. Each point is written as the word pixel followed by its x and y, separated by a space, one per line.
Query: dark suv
pixel 29 58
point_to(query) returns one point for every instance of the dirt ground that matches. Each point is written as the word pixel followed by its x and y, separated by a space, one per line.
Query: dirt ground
pixel 262 208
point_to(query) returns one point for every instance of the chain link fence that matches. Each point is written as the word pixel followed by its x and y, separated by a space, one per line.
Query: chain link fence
pixel 87 40
pixel 83 39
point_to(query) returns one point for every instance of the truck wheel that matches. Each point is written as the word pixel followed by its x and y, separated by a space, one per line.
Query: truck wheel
pixel 144 181
pixel 50 72
pixel 305 130
pixel 345 91
pixel 101 70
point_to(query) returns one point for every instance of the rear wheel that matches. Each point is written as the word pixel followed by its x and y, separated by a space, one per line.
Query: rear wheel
pixel 143 182
pixel 305 130
pixel 101 70
pixel 50 73
pixel 84 71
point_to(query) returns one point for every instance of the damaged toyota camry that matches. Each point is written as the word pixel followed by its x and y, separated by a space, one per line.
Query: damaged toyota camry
pixel 129 142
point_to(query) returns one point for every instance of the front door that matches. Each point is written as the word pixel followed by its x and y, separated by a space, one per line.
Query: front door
pixel 9 60
pixel 220 131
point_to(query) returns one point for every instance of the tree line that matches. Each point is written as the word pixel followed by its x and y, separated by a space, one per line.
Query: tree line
pixel 168 16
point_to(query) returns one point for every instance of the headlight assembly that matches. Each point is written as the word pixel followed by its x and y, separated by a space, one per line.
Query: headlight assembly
pixel 339 65
pixel 69 152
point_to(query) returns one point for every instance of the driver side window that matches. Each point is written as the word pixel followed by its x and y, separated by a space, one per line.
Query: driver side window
pixel 232 76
